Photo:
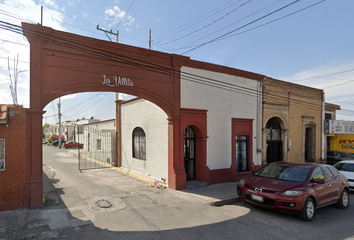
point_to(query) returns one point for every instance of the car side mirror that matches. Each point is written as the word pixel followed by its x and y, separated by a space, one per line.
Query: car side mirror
pixel 318 180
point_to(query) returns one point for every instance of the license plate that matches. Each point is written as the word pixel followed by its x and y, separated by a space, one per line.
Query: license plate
pixel 257 198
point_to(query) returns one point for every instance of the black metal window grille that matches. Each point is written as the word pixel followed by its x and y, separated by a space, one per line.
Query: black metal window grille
pixel 189 153
pixel 242 156
pixel 139 143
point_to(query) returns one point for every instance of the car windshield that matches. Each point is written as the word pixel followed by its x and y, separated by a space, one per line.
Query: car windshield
pixel 294 174
pixel 346 167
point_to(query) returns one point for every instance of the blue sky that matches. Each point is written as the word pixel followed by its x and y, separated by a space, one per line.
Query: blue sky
pixel 284 39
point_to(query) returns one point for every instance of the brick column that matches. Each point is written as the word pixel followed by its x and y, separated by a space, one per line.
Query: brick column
pixel 119 131
pixel 34 174
pixel 177 178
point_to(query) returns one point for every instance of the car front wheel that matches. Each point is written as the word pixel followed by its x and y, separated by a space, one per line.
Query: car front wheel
pixel 67 147
pixel 308 211
pixel 343 201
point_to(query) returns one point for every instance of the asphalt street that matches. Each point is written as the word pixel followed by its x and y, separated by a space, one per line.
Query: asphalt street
pixel 77 206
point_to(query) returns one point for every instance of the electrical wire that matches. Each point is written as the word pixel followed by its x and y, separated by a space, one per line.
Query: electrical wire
pixel 245 25
pixel 154 67
pixel 172 31
pixel 124 15
pixel 208 25
pixel 219 84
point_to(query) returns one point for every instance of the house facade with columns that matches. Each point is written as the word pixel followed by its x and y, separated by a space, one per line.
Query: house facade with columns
pixel 220 137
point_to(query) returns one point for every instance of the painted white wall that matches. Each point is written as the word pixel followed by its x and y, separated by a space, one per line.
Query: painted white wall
pixel 223 104
pixel 153 120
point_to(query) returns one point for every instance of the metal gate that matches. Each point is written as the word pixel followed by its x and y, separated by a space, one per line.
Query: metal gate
pixel 99 148
pixel 274 151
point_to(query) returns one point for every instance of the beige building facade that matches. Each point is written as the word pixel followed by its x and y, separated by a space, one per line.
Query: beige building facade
pixel 292 127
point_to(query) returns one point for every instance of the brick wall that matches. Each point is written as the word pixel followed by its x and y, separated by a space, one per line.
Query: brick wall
pixel 13 179
pixel 293 104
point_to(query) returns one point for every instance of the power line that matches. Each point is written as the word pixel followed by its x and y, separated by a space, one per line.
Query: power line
pixel 208 25
pixel 245 25
pixel 275 20
pixel 190 46
pixel 189 22
pixel 191 77
pixel 156 68
pixel 124 15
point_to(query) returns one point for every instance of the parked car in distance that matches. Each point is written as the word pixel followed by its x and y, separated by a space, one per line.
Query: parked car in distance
pixel 335 156
pixel 56 143
pixel 346 167
pixel 73 144
pixel 44 141
pixel 298 188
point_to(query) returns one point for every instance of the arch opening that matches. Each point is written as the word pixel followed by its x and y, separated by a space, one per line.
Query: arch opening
pixel 274 140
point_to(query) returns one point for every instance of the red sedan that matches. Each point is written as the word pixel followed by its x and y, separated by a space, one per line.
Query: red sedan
pixel 73 144
pixel 295 188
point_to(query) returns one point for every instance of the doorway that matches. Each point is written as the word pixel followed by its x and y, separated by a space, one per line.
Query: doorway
pixel 189 153
pixel 274 140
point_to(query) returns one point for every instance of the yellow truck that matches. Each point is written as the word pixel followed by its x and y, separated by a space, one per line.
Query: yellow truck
pixel 342 143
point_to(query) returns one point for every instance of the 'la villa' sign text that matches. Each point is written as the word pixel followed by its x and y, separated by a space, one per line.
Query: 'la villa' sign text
pixel 117 81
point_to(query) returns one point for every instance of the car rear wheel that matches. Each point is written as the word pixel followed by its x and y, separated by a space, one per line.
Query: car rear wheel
pixel 68 147
pixel 343 201
pixel 308 211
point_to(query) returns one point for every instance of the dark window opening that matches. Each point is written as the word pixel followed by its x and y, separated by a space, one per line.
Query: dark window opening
pixel 139 143
pixel 242 145
pixel 189 153
pixel 309 146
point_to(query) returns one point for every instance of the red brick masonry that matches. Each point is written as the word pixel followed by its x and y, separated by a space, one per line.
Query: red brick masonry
pixel 13 179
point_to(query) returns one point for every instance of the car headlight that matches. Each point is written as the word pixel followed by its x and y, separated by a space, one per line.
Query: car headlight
pixel 241 182
pixel 292 193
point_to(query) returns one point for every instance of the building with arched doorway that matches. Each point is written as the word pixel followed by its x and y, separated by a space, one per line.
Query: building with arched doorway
pixel 191 120
pixel 292 122
pixel 219 132
pixel 212 114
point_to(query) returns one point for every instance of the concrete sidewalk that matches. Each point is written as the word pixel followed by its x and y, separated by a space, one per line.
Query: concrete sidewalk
pixel 47 223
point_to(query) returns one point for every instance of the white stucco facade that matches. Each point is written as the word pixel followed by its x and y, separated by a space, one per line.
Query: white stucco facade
pixel 224 97
pixel 153 120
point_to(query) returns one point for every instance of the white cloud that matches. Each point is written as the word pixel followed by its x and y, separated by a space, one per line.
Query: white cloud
pixel 84 14
pixel 124 96
pixel 13 44
pixel 337 81
pixel 71 96
pixel 115 16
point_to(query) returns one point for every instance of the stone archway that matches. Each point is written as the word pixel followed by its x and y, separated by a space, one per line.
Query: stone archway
pixel 62 63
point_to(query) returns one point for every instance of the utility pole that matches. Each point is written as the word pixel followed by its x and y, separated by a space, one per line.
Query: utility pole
pixel 110 32
pixel 41 15
pixel 150 39
pixel 60 132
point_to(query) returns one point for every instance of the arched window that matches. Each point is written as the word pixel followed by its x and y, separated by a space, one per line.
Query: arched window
pixel 139 143
pixel 273 129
